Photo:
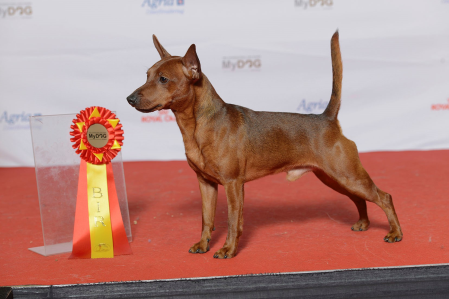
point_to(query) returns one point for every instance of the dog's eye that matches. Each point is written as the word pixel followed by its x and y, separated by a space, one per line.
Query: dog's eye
pixel 163 80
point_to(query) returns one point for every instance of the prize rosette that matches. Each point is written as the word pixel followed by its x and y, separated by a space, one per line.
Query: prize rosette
pixel 99 231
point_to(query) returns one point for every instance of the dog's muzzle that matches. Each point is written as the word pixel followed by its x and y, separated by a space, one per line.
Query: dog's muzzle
pixel 133 99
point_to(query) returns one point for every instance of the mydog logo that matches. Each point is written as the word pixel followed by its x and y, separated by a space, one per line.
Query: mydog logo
pixel 436 107
pixel 16 121
pixel 312 107
pixel 315 4
pixel 163 6
pixel 21 10
pixel 237 63
pixel 98 135
pixel 163 116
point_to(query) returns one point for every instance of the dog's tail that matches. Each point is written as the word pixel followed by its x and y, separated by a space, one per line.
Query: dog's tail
pixel 337 74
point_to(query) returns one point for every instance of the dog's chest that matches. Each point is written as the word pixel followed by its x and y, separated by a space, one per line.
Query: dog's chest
pixel 198 160
pixel 194 158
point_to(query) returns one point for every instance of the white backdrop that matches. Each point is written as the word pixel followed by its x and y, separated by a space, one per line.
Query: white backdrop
pixel 59 57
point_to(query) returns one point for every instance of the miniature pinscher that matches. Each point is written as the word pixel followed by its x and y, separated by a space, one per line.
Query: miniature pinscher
pixel 230 145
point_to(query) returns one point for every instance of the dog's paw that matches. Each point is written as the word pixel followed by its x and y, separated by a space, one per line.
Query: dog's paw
pixel 225 253
pixel 360 225
pixel 394 236
pixel 200 247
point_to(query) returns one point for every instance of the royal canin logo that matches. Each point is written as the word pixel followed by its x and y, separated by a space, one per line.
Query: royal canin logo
pixel 163 116
pixel 441 106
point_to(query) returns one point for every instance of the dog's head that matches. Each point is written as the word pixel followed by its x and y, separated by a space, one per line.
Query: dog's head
pixel 169 81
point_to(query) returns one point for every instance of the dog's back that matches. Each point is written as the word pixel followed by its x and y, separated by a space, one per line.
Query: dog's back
pixel 275 142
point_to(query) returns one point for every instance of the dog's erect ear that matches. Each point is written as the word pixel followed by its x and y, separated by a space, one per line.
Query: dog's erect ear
pixel 159 48
pixel 192 66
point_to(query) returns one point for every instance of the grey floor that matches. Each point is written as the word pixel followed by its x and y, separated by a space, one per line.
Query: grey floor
pixel 404 282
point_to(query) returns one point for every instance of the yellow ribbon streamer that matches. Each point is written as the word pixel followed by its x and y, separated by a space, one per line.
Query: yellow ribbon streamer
pixel 99 216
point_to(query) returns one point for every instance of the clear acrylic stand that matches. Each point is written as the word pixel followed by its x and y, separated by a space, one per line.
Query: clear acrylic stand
pixel 57 169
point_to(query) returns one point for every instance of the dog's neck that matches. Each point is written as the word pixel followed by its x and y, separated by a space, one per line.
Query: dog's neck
pixel 198 109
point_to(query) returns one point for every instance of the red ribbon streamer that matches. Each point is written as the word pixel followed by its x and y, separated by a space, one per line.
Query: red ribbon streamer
pixel 81 232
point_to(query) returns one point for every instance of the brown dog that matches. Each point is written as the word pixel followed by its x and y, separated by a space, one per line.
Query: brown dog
pixel 231 145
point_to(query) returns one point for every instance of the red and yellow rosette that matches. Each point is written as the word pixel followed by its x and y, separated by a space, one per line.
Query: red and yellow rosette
pixel 99 231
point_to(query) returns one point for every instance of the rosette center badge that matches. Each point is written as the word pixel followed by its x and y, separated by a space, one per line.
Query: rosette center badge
pixel 97 135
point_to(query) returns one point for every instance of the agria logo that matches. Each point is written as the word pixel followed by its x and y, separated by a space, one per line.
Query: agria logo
pixel 314 4
pixel 315 107
pixel 13 121
pixel 163 6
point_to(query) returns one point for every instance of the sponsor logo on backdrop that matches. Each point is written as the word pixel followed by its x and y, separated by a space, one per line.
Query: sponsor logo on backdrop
pixel 314 4
pixel 161 116
pixel 13 121
pixel 16 10
pixel 315 107
pixel 241 63
pixel 163 6
pixel 440 106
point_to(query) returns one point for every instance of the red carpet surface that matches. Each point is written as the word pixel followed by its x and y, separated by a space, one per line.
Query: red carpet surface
pixel 289 226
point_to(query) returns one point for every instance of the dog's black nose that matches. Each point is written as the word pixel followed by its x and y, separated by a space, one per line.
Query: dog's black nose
pixel 133 98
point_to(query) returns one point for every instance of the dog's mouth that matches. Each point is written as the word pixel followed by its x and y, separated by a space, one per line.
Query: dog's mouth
pixel 149 110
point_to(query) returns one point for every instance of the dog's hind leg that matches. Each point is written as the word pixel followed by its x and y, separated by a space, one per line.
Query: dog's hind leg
pixel 363 222
pixel 343 172
pixel 209 192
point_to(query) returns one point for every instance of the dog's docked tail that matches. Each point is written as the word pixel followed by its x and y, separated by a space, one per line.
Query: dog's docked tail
pixel 337 74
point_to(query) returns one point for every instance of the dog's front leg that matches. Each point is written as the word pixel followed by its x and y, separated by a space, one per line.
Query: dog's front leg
pixel 209 192
pixel 235 194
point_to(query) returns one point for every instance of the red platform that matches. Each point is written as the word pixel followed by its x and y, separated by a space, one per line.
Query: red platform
pixel 289 226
